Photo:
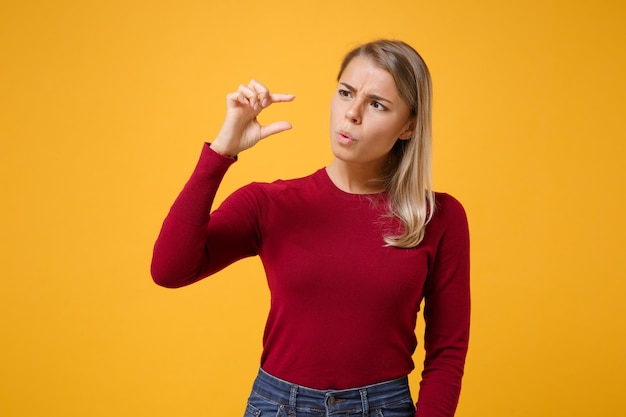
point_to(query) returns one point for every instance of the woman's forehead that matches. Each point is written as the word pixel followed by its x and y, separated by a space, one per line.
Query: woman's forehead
pixel 363 73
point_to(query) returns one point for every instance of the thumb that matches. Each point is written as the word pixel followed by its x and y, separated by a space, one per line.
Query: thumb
pixel 274 128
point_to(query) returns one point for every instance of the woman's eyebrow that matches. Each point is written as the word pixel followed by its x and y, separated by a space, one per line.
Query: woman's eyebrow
pixel 371 96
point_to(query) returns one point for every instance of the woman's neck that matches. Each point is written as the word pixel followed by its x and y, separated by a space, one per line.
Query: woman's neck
pixel 354 178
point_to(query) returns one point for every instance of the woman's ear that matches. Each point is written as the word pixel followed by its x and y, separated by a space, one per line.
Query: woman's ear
pixel 407 133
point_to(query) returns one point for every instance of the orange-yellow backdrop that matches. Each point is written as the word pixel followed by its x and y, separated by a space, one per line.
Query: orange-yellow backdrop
pixel 104 106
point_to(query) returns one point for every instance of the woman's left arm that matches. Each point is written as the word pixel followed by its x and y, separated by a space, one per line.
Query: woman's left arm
pixel 446 314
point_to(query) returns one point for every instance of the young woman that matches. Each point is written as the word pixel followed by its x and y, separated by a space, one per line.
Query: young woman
pixel 349 251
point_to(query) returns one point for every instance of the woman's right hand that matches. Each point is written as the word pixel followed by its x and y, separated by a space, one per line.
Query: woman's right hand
pixel 241 129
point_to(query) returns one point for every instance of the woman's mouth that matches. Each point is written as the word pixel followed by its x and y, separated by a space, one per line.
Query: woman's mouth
pixel 345 138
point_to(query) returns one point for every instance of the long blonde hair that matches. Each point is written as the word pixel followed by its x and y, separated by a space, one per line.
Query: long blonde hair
pixel 407 176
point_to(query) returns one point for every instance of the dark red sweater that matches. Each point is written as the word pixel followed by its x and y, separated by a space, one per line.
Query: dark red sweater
pixel 343 305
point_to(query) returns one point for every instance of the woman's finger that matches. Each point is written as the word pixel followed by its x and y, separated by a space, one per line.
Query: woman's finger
pixel 237 98
pixel 251 96
pixel 273 128
pixel 263 93
pixel 278 98
pixel 257 95
pixel 265 97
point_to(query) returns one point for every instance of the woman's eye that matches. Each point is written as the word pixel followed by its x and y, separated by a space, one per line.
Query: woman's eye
pixel 378 106
pixel 344 93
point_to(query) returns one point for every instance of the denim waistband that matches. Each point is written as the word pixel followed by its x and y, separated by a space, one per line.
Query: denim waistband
pixel 359 399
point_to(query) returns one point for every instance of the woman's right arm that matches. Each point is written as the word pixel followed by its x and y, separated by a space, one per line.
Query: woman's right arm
pixel 190 246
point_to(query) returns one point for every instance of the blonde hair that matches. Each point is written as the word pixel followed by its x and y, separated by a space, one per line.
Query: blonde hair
pixel 407 176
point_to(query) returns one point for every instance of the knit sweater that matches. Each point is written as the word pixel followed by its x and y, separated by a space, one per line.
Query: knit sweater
pixel 344 305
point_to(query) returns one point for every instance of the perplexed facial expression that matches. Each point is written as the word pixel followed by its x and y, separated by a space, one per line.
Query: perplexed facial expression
pixel 367 114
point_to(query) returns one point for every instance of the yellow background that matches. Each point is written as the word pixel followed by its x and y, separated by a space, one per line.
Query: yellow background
pixel 104 106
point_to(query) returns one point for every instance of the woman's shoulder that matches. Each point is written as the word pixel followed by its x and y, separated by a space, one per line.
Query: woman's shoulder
pixel 447 200
pixel 280 188
pixel 283 185
pixel 449 208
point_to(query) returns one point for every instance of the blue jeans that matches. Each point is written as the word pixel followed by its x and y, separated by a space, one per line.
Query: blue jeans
pixel 273 397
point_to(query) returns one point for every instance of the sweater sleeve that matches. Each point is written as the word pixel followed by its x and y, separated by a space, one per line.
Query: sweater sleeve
pixel 192 244
pixel 447 315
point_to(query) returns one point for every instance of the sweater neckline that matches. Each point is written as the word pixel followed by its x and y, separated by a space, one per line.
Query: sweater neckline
pixel 330 185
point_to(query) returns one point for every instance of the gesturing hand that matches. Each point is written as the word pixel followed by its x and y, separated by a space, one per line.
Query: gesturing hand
pixel 241 129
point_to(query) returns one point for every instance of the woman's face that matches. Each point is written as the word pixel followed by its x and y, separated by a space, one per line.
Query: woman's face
pixel 367 114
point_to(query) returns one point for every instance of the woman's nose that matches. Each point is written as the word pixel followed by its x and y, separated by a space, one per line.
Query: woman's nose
pixel 353 114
